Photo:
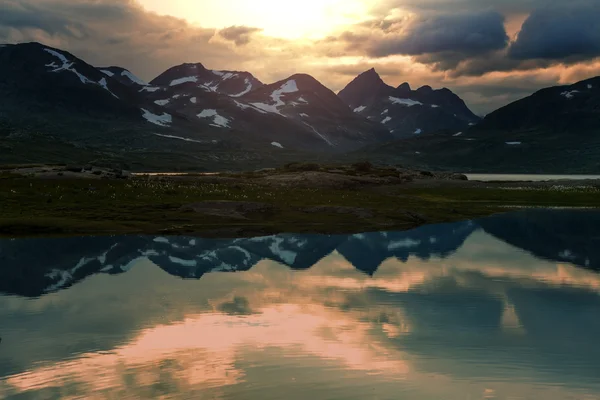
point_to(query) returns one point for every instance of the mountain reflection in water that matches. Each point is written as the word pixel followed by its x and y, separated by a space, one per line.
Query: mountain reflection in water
pixel 503 307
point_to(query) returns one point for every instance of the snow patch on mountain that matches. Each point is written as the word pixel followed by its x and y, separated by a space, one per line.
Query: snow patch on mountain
pixel 405 102
pixel 133 78
pixel 107 72
pixel 162 102
pixel 457 134
pixel 386 120
pixel 513 143
pixel 277 144
pixel 385 111
pixel 590 86
pixel 66 66
pixel 217 119
pixel 104 84
pixel 183 80
pixel 434 106
pixel 304 115
pixel 193 100
pixel 161 120
pixel 569 94
pixel 418 131
pixel 246 106
pixel 288 87
pixel 319 134
pixel 224 75
pixel 179 138
pixel 150 89
pixel 245 91
pixel 360 109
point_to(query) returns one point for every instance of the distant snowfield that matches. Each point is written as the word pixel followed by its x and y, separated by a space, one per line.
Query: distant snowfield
pixel 133 78
pixel 385 111
pixel 225 75
pixel 183 80
pixel 386 120
pixel 288 87
pixel 405 102
pixel 319 134
pixel 161 120
pixel 104 84
pixel 569 94
pixel 66 66
pixel 360 109
pixel 149 89
pixel 180 138
pixel 247 106
pixel 107 72
pixel 277 144
pixel 217 119
pixel 245 91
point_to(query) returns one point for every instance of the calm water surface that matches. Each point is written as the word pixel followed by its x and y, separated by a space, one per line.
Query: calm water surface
pixel 528 177
pixel 502 308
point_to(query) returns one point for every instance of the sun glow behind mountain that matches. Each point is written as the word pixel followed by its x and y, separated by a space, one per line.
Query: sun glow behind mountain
pixel 283 19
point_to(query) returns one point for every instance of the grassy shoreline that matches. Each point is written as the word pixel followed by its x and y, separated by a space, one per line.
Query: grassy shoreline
pixel 247 204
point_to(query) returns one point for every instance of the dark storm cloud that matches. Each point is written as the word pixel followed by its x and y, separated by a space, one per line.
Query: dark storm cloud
pixel 560 32
pixel 62 17
pixel 114 32
pixel 465 33
pixel 384 7
pixel 240 35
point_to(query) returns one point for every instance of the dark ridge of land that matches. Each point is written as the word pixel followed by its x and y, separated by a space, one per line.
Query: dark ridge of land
pixel 300 198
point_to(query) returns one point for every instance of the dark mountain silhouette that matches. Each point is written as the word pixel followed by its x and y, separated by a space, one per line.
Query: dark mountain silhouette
pixel 231 83
pixel 553 131
pixel 406 112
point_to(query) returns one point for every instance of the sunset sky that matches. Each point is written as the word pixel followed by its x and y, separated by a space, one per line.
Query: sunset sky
pixel 490 52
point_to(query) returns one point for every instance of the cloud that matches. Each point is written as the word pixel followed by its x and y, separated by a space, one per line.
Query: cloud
pixel 240 35
pixel 560 32
pixel 506 7
pixel 115 32
pixel 465 33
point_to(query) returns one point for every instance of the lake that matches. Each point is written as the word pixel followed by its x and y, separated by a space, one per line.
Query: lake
pixel 528 177
pixel 506 307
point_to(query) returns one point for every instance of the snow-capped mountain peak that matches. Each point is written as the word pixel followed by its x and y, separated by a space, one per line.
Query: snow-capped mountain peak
pixel 406 112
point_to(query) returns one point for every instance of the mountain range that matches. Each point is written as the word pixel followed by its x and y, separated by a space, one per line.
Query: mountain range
pixel 558 236
pixel 555 130
pixel 59 109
